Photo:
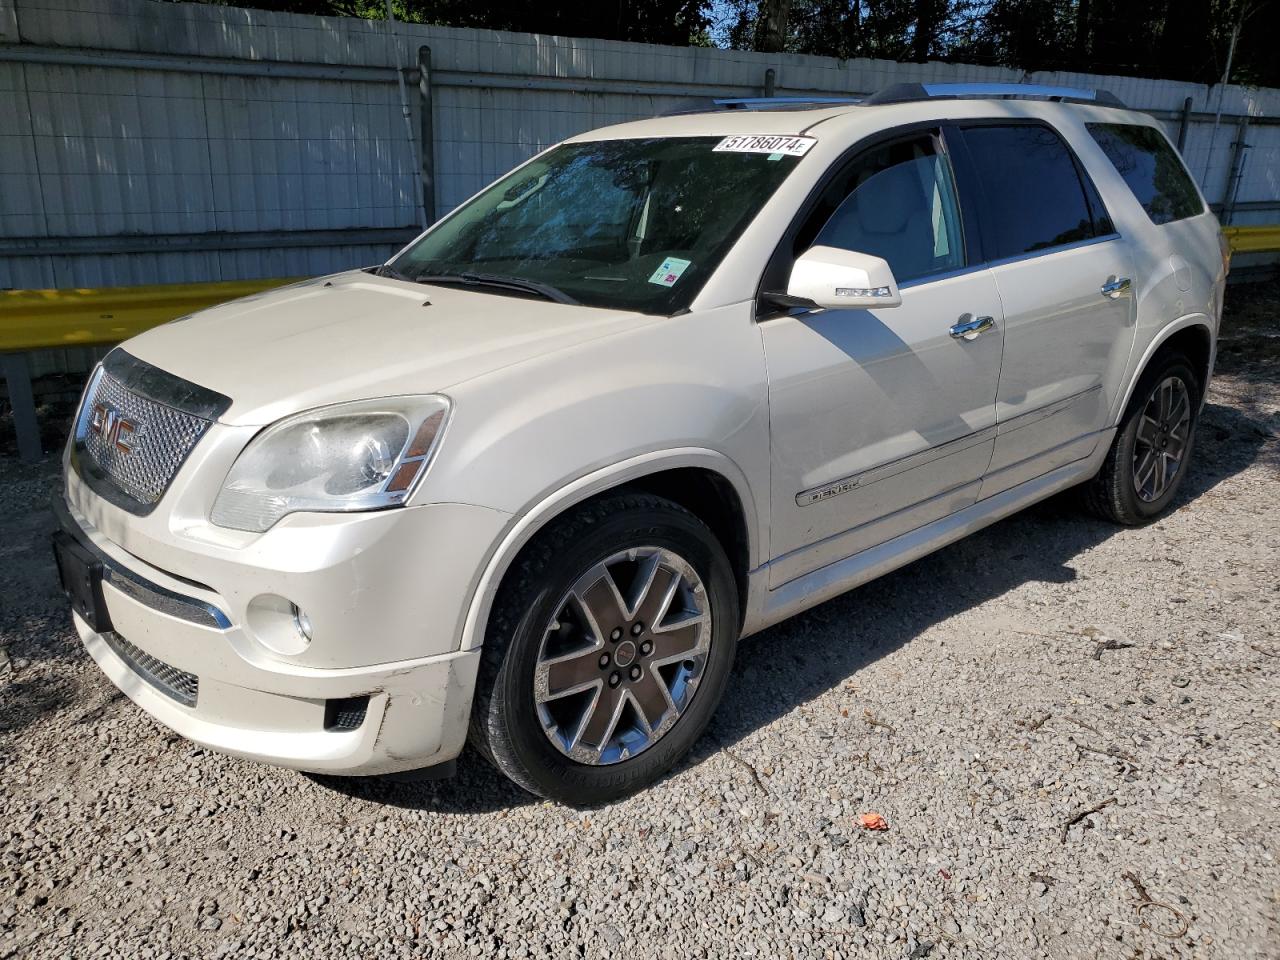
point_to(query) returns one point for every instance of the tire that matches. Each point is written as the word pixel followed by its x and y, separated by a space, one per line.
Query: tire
pixel 559 746
pixel 1121 491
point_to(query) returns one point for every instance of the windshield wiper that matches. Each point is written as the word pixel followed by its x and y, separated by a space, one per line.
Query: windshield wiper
pixel 386 270
pixel 544 290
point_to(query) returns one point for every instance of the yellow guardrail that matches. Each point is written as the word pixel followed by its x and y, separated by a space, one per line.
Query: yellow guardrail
pixel 1262 239
pixel 31 319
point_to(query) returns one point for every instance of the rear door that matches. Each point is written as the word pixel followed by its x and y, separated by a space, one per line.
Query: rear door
pixel 1064 279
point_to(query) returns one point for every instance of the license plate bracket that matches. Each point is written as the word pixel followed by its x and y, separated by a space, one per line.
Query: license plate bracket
pixel 81 575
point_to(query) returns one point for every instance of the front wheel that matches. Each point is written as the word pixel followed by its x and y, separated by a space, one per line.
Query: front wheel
pixel 608 650
pixel 1152 447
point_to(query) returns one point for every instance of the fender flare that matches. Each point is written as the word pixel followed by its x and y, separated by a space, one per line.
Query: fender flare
pixel 536 516
pixel 1182 323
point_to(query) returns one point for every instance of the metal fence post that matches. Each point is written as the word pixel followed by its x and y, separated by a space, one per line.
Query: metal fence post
pixel 23 403
pixel 426 129
pixel 1183 123
pixel 1234 170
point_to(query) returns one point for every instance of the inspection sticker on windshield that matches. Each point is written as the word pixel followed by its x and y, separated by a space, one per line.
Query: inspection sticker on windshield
pixel 667 274
pixel 769 143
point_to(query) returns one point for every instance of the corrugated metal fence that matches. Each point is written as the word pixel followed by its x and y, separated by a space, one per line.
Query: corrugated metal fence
pixel 145 142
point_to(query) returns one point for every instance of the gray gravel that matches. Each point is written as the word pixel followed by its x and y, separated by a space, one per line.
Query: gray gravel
pixel 981 700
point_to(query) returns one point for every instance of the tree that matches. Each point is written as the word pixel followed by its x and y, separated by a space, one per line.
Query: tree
pixel 672 22
pixel 771 27
pixel 1172 39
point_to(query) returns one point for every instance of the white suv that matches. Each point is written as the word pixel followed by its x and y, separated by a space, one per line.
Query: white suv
pixel 662 386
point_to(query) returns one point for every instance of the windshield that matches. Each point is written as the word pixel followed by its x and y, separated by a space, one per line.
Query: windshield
pixel 626 224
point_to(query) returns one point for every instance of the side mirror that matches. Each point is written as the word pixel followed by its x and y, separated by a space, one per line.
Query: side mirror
pixel 842 280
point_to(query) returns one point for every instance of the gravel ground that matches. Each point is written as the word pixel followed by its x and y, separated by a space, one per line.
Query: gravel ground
pixel 983 701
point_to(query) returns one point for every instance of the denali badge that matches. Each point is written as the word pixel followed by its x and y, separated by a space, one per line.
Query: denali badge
pixel 808 497
pixel 114 429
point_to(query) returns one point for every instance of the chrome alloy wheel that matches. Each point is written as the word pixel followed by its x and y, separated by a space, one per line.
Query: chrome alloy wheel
pixel 1164 432
pixel 622 657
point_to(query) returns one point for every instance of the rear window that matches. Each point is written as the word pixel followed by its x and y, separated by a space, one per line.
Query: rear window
pixel 1151 168
pixel 1034 197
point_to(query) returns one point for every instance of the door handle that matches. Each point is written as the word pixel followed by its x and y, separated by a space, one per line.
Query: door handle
pixel 970 327
pixel 1115 286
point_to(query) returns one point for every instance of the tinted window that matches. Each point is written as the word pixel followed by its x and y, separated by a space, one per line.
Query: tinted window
pixel 1151 168
pixel 1034 197
pixel 899 203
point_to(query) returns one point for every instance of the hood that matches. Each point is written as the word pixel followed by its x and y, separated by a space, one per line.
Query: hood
pixel 354 336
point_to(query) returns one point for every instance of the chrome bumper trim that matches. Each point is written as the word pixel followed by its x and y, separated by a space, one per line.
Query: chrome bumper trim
pixel 153 595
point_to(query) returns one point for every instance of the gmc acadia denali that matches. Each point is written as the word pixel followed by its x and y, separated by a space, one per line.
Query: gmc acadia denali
pixel 660 387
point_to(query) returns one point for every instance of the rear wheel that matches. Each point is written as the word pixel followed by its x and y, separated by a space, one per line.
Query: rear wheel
pixel 1152 447
pixel 608 650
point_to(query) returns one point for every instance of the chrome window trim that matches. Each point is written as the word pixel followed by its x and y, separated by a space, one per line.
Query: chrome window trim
pixel 1049 251
pixel 947 275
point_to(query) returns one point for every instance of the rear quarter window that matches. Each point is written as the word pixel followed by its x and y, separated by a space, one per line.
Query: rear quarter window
pixel 1152 169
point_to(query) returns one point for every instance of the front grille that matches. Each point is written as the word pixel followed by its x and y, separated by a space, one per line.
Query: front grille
pixel 159 441
pixel 173 683
pixel 136 427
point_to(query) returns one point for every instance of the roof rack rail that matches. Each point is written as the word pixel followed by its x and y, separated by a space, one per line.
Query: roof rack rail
pixel 908 92
pixel 773 103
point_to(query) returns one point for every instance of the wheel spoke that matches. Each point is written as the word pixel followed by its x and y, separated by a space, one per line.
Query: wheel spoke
pixel 656 589
pixel 1142 472
pixel 572 673
pixel 1147 429
pixel 1166 399
pixel 603 606
pixel 596 729
pixel 651 698
pixel 1160 477
pixel 680 639
pixel 1180 409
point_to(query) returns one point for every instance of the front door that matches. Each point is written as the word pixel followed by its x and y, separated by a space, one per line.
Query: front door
pixel 882 420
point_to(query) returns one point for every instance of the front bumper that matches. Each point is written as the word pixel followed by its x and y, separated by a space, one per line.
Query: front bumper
pixel 369 718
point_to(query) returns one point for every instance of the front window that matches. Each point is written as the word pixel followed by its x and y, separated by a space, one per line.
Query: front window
pixel 902 207
pixel 625 224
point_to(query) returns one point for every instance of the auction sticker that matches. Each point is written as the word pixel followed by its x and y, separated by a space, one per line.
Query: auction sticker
pixel 669 272
pixel 766 143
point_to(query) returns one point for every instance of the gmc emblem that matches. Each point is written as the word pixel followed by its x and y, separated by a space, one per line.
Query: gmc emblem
pixel 114 429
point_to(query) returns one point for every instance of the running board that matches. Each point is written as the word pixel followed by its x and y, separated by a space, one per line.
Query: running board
pixel 836 578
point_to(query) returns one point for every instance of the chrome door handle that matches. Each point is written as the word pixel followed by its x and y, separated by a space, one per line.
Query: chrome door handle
pixel 1115 286
pixel 971 327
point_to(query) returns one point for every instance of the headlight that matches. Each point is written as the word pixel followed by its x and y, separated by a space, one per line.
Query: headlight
pixel 351 456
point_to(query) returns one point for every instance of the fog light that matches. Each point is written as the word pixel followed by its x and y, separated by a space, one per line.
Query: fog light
pixel 301 621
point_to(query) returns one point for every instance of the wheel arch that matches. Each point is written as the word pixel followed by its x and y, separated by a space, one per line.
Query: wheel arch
pixel 699 479
pixel 1192 335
